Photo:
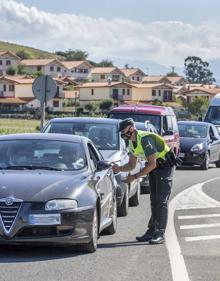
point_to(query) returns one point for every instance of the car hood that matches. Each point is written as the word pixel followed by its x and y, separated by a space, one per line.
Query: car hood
pixel 187 143
pixel 112 155
pixel 40 186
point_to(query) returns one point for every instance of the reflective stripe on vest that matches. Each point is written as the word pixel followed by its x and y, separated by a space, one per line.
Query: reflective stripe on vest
pixel 139 151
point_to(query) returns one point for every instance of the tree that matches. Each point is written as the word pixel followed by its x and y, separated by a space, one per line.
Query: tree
pixel 73 55
pixel 23 54
pixel 105 63
pixel 20 69
pixel 91 107
pixel 172 74
pixel 105 105
pixel 11 71
pixel 198 106
pixel 197 71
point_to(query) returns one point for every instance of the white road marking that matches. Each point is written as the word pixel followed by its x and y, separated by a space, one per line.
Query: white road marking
pixel 199 238
pixel 194 226
pixel 178 266
pixel 198 216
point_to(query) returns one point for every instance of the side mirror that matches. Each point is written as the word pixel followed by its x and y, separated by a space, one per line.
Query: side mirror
pixel 103 165
pixel 168 133
pixel 214 138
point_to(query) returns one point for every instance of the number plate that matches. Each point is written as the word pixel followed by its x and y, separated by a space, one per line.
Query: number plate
pixel 50 219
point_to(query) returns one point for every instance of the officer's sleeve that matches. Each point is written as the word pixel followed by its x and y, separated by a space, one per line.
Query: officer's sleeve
pixel 149 147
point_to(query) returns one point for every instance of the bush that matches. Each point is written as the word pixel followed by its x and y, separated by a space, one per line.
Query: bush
pixel 105 105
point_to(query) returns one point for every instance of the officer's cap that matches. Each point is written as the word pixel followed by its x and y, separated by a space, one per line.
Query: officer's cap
pixel 125 123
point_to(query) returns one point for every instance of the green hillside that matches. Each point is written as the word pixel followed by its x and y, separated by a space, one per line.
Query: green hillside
pixel 35 53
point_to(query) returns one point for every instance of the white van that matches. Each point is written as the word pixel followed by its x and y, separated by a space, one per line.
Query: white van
pixel 213 113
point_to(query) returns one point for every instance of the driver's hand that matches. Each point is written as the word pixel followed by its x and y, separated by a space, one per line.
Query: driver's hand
pixel 115 168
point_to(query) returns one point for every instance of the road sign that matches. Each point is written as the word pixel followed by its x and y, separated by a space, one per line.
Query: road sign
pixel 44 88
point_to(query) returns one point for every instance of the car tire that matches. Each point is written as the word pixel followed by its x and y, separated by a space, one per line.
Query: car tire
pixel 205 164
pixel 135 199
pixel 123 208
pixel 111 229
pixel 92 245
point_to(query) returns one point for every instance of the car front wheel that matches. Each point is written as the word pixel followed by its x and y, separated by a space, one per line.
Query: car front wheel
pixel 205 164
pixel 135 199
pixel 123 209
pixel 92 245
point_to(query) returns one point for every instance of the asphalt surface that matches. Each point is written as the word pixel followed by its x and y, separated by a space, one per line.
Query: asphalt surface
pixel 119 257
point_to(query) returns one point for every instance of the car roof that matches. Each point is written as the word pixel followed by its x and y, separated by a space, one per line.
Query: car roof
pixel 150 109
pixel 193 123
pixel 39 136
pixel 85 120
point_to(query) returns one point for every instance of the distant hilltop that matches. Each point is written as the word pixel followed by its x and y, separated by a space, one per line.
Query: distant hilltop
pixel 34 53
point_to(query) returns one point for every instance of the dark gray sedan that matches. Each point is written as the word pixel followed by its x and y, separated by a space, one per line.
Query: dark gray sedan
pixel 199 144
pixel 55 189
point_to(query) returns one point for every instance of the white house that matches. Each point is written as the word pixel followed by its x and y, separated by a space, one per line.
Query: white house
pixel 133 74
pixel 78 70
pixel 104 74
pixel 51 67
pixel 8 59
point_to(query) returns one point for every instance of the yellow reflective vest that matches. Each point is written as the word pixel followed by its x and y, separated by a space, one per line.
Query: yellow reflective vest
pixel 138 151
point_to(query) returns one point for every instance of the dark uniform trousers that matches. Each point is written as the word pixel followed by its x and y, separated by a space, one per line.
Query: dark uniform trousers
pixel 160 180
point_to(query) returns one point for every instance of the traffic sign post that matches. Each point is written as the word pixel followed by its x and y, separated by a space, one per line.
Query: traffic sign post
pixel 44 89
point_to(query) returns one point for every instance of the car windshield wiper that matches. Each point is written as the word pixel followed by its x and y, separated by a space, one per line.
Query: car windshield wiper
pixel 29 167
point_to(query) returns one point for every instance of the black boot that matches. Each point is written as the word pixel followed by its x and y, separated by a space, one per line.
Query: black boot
pixel 158 237
pixel 146 237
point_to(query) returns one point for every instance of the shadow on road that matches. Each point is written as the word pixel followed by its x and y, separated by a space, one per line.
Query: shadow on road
pixel 12 254
pixel 123 244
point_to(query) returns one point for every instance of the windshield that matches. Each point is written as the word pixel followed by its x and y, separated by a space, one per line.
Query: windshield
pixel 213 115
pixel 105 136
pixel 41 154
pixel 192 131
pixel 153 119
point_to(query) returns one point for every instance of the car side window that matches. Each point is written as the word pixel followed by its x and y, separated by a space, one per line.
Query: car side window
pixel 211 133
pixel 93 155
pixel 169 123
pixel 165 125
pixel 215 131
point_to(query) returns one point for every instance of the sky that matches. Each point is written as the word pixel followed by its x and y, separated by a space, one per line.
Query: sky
pixel 145 33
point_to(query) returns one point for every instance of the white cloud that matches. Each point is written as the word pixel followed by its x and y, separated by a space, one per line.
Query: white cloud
pixel 166 43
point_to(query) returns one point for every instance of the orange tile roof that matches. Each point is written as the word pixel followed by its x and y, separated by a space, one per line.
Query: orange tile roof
pixel 153 85
pixel 152 79
pixel 174 79
pixel 105 70
pixel 212 91
pixel 73 64
pixel 2 53
pixel 37 62
pixel 102 84
pixel 131 71
pixel 12 101
pixel 18 79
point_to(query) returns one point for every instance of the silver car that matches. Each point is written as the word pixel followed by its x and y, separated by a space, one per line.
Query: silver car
pixel 104 133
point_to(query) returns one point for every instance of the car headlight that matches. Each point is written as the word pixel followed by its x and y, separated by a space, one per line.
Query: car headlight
pixel 197 147
pixel 61 204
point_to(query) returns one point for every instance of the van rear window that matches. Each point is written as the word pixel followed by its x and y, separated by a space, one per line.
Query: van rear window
pixel 154 119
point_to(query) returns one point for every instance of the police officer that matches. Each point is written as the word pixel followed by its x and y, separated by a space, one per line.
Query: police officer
pixel 159 165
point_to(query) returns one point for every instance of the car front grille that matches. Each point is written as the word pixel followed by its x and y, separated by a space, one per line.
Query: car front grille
pixel 8 214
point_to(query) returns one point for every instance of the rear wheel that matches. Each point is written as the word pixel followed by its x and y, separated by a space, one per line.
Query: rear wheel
pixel 92 245
pixel 123 209
pixel 218 163
pixel 111 229
pixel 135 199
pixel 205 164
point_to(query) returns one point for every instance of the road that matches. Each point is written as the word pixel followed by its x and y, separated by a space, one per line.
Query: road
pixel 119 257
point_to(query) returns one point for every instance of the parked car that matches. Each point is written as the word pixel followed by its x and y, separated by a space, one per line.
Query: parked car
pixel 213 112
pixel 104 133
pixel 199 144
pixel 162 117
pixel 57 189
